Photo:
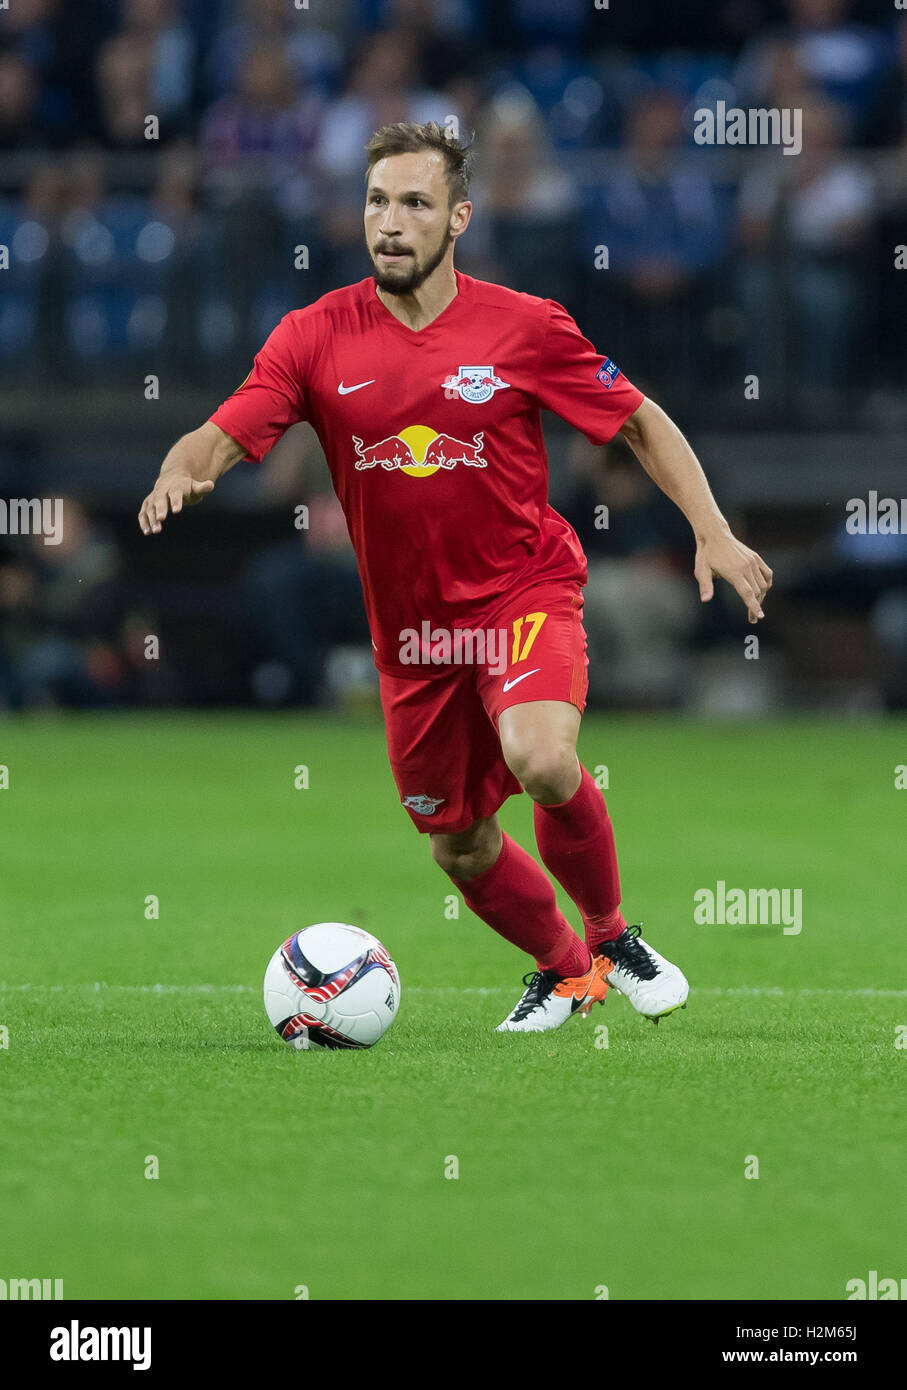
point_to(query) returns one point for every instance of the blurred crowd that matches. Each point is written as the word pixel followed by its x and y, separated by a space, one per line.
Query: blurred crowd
pixel 277 619
pixel 181 242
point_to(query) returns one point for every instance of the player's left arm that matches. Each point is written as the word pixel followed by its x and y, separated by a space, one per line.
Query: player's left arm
pixel 670 462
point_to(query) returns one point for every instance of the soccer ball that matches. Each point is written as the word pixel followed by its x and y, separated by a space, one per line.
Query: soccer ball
pixel 331 985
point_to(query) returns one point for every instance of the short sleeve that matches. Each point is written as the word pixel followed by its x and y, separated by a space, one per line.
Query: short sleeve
pixel 272 397
pixel 578 383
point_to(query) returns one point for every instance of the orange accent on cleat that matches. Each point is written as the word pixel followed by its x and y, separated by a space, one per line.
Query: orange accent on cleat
pixel 607 967
pixel 590 988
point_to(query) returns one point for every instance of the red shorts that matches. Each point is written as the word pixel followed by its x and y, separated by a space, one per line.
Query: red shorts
pixel 442 736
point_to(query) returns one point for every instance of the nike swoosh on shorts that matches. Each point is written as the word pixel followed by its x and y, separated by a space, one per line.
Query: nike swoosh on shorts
pixel 508 685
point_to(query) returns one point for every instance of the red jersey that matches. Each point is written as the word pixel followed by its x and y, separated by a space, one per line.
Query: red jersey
pixel 434 442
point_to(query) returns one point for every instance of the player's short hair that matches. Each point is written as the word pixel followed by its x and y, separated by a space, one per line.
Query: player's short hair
pixel 406 137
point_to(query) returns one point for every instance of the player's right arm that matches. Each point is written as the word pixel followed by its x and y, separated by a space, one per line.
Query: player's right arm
pixel 189 473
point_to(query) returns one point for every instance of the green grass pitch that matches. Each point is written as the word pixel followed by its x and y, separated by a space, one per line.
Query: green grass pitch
pixel 580 1166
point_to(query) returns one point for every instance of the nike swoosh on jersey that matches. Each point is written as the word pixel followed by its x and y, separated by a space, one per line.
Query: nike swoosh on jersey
pixel 508 685
pixel 347 390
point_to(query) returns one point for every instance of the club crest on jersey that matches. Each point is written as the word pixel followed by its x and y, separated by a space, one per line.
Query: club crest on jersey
pixel 475 384
pixel 423 805
pixel 607 373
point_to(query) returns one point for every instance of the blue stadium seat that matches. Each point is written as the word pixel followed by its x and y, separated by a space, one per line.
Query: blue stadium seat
pixel 29 246
pixel 119 261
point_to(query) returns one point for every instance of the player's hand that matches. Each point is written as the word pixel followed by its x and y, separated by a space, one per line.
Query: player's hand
pixel 168 496
pixel 747 572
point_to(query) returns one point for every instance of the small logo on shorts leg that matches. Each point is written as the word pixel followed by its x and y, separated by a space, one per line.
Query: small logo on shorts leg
pixel 423 805
pixel 509 684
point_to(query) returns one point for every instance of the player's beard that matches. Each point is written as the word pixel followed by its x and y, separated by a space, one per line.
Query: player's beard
pixel 393 282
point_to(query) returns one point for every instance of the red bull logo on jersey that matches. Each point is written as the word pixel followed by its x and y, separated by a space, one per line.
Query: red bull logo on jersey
pixel 474 384
pixel 419 451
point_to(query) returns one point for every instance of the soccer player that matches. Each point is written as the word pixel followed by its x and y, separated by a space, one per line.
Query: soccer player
pixel 425 388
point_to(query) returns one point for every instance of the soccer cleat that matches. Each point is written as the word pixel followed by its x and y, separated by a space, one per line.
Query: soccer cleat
pixel 550 999
pixel 652 984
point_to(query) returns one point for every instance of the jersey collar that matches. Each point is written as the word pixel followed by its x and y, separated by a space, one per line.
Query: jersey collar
pixel 464 287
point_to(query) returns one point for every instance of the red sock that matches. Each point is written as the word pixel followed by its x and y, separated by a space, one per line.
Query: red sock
pixel 576 843
pixel 516 898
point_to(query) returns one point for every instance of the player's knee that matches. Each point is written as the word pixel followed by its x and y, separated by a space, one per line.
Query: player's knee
pixel 468 854
pixel 548 774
